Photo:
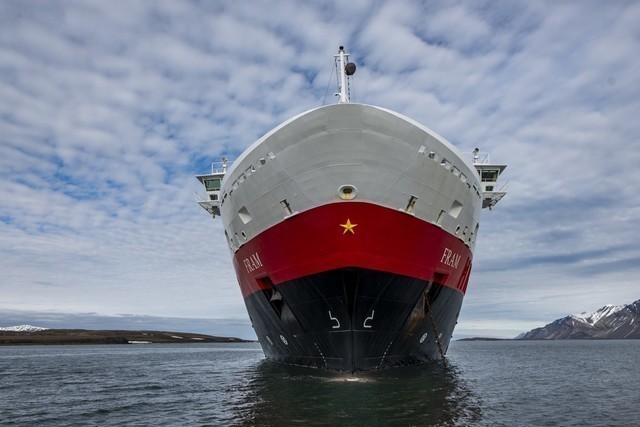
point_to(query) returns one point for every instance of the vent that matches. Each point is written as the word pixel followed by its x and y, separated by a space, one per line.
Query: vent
pixel 411 204
pixel 456 208
pixel 244 215
pixel 286 207
pixel 439 278
pixel 271 294
pixel 431 292
pixel 278 304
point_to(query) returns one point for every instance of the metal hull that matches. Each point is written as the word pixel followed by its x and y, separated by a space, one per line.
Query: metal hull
pixel 386 292
pixel 352 231
pixel 399 330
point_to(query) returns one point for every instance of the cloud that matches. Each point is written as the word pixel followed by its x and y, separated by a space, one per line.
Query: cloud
pixel 107 112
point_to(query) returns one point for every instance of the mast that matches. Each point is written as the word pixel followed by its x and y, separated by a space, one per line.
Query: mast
pixel 345 69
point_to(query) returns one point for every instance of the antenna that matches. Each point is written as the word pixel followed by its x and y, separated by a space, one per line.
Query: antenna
pixel 346 70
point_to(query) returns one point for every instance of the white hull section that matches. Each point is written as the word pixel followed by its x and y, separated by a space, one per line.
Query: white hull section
pixel 350 152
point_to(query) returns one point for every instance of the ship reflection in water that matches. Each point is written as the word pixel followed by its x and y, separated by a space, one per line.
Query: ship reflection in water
pixel 418 395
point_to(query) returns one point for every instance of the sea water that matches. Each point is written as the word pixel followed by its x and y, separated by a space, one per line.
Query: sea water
pixel 504 383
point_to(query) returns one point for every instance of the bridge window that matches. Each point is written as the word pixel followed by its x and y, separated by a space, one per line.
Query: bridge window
pixel 212 184
pixel 489 175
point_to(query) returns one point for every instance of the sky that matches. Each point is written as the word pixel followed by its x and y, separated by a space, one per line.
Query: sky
pixel 109 109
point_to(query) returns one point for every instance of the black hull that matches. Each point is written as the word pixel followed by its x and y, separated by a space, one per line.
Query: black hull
pixel 354 320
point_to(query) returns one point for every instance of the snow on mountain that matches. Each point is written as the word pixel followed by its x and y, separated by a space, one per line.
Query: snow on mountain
pixel 22 328
pixel 594 317
pixel 608 322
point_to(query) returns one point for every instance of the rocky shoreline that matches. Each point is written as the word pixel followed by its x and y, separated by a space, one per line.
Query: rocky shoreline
pixel 86 336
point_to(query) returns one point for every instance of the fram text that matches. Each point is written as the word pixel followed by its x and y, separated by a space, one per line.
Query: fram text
pixel 450 258
pixel 252 263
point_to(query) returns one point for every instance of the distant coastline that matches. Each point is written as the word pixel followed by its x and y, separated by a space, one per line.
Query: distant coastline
pixel 87 336
pixel 485 339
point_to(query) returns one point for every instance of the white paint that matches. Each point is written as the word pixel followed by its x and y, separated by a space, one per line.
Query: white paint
pixel 334 319
pixel 373 312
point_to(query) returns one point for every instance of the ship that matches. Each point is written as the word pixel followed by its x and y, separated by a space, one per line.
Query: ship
pixel 351 230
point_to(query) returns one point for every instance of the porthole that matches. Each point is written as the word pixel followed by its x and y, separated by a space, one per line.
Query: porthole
pixel 457 230
pixel 347 192
pixel 446 163
pixel 244 235
pixel 423 337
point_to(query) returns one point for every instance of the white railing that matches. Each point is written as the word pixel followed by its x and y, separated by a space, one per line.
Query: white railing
pixel 481 158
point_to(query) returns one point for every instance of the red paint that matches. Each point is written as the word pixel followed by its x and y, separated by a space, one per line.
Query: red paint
pixel 380 239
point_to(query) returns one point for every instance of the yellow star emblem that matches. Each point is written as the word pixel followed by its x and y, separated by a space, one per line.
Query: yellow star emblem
pixel 348 227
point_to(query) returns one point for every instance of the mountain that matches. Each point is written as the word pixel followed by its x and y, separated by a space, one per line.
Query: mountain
pixel 609 322
pixel 22 328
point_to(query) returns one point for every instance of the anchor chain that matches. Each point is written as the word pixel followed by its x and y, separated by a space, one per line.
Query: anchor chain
pixel 435 331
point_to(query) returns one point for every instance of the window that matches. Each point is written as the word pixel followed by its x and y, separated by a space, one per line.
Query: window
pixel 489 175
pixel 212 184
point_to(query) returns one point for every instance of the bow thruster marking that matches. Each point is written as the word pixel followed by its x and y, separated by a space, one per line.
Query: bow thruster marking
pixel 334 319
pixel 373 312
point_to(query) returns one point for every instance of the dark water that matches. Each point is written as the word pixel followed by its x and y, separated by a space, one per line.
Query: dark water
pixel 581 383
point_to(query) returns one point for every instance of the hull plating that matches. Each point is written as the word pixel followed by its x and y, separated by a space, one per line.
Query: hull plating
pixel 354 320
pixel 353 286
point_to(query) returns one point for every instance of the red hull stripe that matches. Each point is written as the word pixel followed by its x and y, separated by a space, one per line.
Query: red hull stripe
pixel 352 234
